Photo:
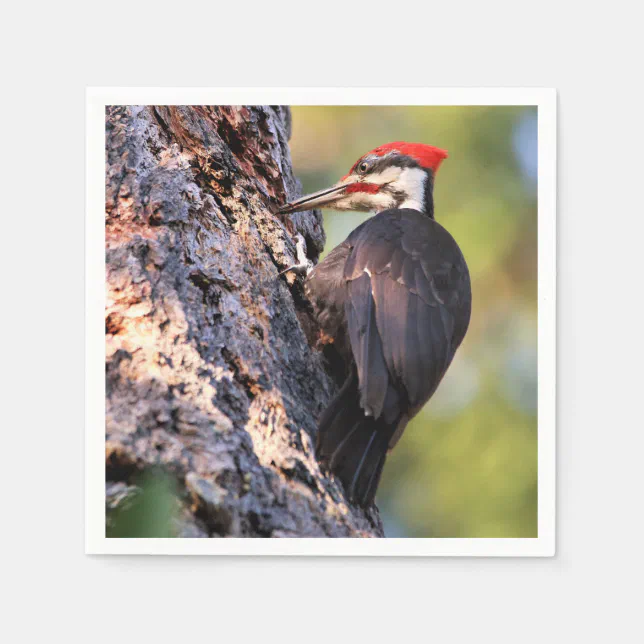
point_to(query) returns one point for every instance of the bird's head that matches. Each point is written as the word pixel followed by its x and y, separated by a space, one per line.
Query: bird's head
pixel 395 175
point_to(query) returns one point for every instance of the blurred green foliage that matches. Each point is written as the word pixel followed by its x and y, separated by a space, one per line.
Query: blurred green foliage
pixel 467 464
pixel 147 509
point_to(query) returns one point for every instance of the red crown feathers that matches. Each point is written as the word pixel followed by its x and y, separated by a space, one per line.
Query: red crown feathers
pixel 427 155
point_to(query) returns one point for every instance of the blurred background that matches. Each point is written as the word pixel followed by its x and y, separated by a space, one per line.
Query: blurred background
pixel 467 464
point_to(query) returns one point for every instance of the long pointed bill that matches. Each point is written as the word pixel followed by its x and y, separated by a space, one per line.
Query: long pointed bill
pixel 315 199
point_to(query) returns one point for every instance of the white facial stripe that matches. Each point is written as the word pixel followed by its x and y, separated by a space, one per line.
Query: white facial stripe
pixel 412 183
pixel 388 175
pixel 366 201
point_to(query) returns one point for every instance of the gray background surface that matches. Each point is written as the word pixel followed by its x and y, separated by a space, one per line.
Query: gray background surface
pixel 52 52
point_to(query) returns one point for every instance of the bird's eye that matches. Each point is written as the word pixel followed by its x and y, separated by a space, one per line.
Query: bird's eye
pixel 363 167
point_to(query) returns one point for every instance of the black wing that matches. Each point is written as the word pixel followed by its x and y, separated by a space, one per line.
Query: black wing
pixel 407 307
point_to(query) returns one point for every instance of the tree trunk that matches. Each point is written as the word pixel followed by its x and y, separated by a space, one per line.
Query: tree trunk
pixel 210 376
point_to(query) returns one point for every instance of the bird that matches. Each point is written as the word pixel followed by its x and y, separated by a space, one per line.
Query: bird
pixel 394 299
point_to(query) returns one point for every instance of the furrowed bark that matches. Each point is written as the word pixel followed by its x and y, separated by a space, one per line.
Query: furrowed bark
pixel 209 373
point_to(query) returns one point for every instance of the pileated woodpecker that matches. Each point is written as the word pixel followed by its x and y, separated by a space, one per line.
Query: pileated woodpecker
pixel 395 298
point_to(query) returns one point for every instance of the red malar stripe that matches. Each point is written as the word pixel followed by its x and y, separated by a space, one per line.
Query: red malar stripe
pixel 370 188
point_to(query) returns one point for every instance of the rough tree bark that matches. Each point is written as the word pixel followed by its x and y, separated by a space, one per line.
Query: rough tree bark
pixel 209 371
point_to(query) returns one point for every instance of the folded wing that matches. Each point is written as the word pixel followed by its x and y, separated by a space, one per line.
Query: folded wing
pixel 407 308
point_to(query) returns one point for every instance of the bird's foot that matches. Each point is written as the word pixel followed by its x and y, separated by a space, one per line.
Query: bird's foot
pixel 304 264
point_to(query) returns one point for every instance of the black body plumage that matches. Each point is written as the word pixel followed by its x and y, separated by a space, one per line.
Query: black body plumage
pixel 396 298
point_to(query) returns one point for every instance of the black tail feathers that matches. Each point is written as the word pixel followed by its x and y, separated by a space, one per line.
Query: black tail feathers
pixel 353 446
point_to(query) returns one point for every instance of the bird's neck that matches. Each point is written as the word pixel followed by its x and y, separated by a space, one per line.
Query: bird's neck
pixel 423 200
pixel 411 188
pixel 426 206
